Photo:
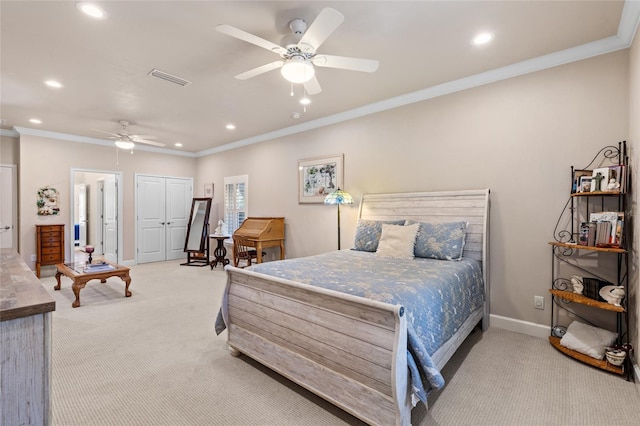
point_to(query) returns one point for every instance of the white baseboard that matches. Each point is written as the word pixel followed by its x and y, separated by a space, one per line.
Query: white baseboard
pixel 519 326
pixel 636 372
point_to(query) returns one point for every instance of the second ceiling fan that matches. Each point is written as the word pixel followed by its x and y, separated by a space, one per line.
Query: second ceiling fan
pixel 298 51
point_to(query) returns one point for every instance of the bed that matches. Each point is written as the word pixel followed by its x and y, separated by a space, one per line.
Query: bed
pixel 320 322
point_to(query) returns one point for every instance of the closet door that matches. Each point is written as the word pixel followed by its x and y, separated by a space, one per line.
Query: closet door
pixel 163 212
pixel 178 207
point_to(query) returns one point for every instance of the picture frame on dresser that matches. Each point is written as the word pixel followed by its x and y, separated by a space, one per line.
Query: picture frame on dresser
pixel 318 177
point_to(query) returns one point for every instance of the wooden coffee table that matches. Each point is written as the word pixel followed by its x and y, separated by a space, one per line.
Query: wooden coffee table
pixel 80 277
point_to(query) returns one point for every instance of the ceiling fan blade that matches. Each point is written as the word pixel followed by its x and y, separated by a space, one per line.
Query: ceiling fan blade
pixel 322 27
pixel 260 70
pixel 346 63
pixel 313 86
pixel 147 142
pixel 108 133
pixel 143 137
pixel 250 38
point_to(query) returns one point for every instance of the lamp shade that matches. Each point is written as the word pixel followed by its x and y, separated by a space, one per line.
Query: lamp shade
pixel 338 197
pixel 297 70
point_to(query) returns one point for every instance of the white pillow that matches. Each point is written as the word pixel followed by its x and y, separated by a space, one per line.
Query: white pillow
pixel 587 339
pixel 397 241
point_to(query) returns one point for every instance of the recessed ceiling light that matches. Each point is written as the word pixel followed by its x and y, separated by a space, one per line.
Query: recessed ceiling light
pixel 91 9
pixel 305 101
pixel 295 115
pixel 35 121
pixel 482 38
pixel 178 144
pixel 230 126
pixel 53 83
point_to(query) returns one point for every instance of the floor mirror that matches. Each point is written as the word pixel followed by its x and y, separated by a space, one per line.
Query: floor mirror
pixel 196 243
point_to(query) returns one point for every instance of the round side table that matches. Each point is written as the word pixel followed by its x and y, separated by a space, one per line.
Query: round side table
pixel 220 252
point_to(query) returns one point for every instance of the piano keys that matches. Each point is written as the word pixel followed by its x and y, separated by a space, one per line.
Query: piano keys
pixel 263 232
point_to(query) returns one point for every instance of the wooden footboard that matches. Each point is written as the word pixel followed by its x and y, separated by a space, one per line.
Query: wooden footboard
pixel 348 350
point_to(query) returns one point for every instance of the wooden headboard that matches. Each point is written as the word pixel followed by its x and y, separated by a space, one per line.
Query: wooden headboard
pixel 446 206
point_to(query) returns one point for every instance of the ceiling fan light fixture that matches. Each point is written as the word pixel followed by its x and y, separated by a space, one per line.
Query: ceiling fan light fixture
pixel 91 9
pixel 125 144
pixel 297 70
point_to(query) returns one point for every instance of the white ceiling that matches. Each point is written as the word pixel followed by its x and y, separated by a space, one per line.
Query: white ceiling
pixel 421 45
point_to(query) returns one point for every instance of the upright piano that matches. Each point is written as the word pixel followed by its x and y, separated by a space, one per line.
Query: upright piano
pixel 263 232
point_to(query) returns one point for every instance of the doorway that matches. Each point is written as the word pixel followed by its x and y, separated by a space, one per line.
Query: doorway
pixel 8 207
pixel 96 214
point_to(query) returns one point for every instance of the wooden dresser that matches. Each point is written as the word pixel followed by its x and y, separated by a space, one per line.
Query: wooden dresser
pixel 49 245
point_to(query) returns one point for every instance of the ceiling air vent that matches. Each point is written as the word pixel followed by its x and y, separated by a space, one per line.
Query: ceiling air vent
pixel 168 77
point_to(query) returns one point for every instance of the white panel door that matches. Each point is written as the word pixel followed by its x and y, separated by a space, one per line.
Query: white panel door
pixel 151 219
pixel 7 206
pixel 110 218
pixel 178 207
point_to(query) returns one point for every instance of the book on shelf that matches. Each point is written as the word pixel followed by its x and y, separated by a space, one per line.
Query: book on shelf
pixel 608 229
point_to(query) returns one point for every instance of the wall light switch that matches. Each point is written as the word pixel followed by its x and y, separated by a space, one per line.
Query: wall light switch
pixel 538 302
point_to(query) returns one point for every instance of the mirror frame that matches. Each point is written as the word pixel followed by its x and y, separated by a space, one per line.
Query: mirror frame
pixel 204 232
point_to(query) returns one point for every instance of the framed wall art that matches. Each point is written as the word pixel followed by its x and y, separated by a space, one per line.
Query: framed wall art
pixel 208 190
pixel 318 177
pixel 47 202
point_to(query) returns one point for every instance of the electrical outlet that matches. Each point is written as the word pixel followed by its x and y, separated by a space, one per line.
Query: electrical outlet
pixel 33 258
pixel 538 302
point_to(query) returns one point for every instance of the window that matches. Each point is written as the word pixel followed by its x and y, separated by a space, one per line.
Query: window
pixel 236 205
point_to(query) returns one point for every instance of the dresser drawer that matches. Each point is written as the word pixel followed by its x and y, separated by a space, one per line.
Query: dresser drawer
pixel 50 241
pixel 50 234
pixel 48 258
pixel 51 250
pixel 53 228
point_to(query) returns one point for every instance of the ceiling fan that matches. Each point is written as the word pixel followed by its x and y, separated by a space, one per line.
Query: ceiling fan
pixel 125 140
pixel 299 51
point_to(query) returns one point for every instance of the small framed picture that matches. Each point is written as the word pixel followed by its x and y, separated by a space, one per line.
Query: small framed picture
pixel 577 175
pixel 208 190
pixel 585 184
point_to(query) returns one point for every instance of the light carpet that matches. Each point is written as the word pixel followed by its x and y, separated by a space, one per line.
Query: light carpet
pixel 154 359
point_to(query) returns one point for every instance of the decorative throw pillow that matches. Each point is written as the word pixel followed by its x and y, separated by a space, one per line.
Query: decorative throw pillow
pixel 397 241
pixel 587 339
pixel 368 233
pixel 444 241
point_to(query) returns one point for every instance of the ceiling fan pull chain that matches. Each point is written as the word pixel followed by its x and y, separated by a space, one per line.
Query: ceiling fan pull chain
pixel 291 94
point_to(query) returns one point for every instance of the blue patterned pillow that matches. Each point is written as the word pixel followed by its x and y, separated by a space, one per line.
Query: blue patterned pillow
pixel 368 233
pixel 444 241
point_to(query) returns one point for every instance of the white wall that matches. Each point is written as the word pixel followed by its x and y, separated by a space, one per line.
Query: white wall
pixel 518 137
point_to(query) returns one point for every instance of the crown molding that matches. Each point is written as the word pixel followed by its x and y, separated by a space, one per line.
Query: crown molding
pixel 95 141
pixel 9 133
pixel 627 29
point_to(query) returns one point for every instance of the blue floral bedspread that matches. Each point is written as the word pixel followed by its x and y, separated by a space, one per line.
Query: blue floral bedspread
pixel 438 296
